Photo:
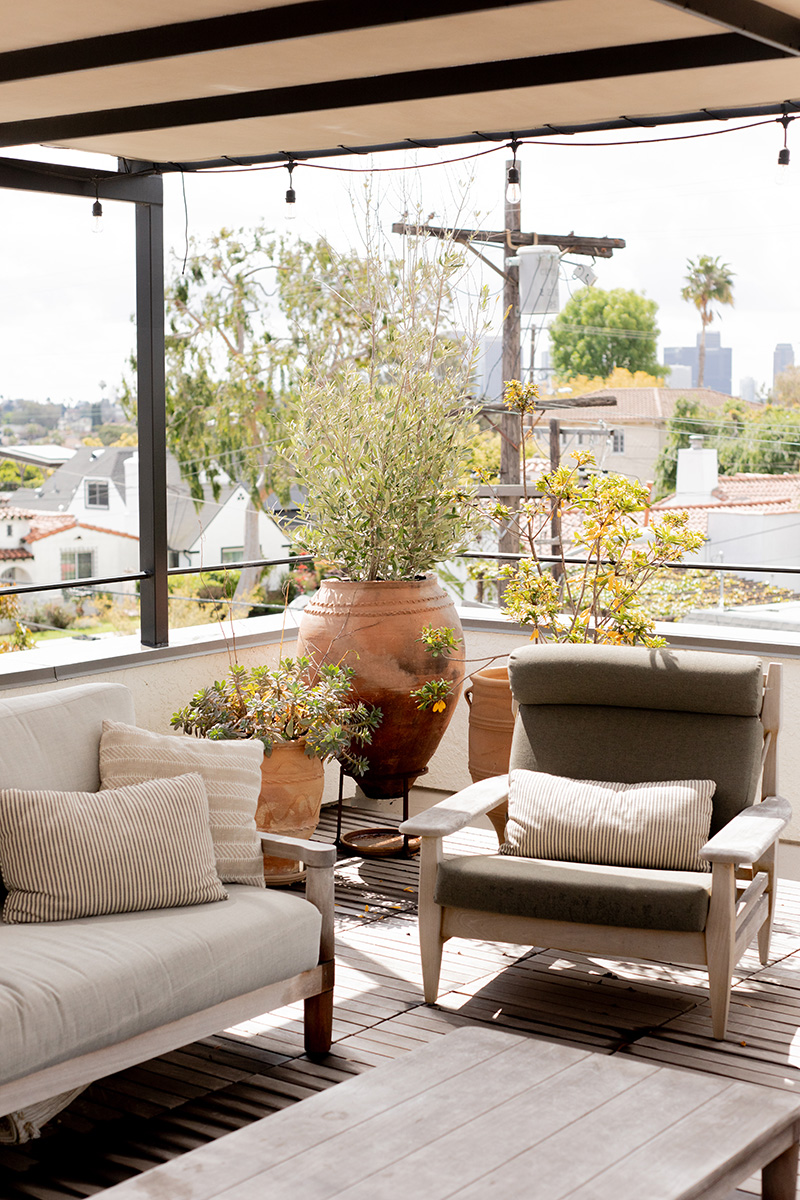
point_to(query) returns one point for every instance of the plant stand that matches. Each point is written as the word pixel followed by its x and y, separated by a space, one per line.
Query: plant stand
pixel 383 841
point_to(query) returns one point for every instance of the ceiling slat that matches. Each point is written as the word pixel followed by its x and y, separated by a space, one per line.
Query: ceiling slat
pixel 582 66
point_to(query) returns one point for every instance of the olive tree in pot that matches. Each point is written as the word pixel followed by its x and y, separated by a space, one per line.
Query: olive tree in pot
pixel 304 720
pixel 382 449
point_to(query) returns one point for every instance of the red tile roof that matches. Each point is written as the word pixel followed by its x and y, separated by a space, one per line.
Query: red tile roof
pixel 45 526
pixel 743 493
pixel 14 554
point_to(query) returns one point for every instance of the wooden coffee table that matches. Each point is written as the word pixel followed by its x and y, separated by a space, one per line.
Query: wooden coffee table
pixel 481 1113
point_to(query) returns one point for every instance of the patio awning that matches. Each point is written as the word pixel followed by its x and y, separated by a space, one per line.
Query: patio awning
pixel 199 81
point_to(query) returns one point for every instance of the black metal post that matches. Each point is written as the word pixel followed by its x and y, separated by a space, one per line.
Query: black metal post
pixel 153 550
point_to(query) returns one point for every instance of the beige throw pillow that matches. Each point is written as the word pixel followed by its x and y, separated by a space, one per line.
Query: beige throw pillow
pixel 661 825
pixel 80 854
pixel 231 772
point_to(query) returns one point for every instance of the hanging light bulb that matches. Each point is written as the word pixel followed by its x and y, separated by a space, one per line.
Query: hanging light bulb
pixel 782 175
pixel 291 198
pixel 97 212
pixel 513 193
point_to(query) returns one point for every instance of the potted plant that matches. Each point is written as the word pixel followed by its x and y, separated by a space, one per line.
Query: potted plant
pixel 304 720
pixel 382 448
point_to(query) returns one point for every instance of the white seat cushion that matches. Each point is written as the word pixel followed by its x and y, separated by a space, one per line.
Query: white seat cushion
pixel 119 975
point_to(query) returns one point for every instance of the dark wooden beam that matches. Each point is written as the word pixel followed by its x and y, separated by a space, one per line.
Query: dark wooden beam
pixel 260 27
pixel 538 71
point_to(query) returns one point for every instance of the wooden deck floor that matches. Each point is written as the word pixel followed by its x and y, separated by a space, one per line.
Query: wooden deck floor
pixel 147 1115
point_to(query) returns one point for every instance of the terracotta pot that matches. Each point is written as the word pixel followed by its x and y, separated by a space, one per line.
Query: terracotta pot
pixel 289 802
pixel 375 628
pixel 491 722
pixel 491 728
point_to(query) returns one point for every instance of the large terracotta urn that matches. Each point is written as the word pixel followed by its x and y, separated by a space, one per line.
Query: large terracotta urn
pixel 291 794
pixel 375 628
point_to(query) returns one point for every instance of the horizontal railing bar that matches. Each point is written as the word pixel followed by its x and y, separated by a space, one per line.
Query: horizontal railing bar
pixel 68 584
pixel 238 566
pixel 92 581
pixel 676 566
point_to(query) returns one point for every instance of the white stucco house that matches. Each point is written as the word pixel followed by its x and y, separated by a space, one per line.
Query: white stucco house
pixel 748 519
pixel 84 521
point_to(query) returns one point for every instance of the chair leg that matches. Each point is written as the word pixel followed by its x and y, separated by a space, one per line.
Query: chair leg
pixel 769 864
pixel 720 942
pixel 431 941
pixel 318 1023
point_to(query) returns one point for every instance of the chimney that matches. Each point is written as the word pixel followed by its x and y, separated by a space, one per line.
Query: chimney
pixel 697 472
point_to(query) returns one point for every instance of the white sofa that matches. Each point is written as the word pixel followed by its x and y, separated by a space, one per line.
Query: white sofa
pixel 83 998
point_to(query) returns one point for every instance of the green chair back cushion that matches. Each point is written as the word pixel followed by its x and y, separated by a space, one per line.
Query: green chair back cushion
pixel 634 715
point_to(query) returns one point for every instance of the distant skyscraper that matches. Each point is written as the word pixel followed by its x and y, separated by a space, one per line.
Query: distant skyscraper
pixel 718 372
pixel 782 358
pixel 747 389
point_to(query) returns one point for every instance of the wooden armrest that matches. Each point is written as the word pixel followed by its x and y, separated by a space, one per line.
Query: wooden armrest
pixel 750 833
pixel 312 854
pixel 452 814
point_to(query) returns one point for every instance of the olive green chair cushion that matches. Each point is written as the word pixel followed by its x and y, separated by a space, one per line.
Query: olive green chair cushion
pixel 635 898
pixel 634 715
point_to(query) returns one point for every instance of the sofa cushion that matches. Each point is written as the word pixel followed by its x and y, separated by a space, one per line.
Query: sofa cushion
pixel 52 739
pixel 231 772
pixel 633 898
pixel 76 854
pixel 661 825
pixel 66 989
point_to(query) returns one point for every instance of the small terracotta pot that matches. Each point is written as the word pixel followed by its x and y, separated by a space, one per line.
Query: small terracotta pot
pixel 375 628
pixel 291 794
pixel 491 728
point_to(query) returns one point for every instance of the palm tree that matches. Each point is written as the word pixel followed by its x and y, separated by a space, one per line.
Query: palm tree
pixel 709 281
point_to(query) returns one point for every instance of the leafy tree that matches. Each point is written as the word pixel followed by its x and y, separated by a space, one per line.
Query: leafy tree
pixel 787 387
pixel 249 316
pixel 708 282
pixel 597 331
pixel 763 441
pixel 14 475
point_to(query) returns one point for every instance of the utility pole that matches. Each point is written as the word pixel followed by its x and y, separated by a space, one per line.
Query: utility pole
pixel 511 238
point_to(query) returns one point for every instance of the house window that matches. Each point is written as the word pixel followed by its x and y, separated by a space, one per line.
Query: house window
pixel 96 494
pixel 9 530
pixel 232 554
pixel 174 559
pixel 76 564
pixel 618 441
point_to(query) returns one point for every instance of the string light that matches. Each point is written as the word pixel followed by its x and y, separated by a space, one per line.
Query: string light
pixel 783 156
pixel 97 211
pixel 291 198
pixel 513 193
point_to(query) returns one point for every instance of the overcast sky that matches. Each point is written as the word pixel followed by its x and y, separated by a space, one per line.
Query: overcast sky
pixel 68 294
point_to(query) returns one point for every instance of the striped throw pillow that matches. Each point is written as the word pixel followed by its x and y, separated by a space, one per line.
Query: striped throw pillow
pixel 80 854
pixel 660 825
pixel 231 772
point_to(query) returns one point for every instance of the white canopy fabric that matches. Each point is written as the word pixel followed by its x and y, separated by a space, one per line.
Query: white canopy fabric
pixel 196 81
